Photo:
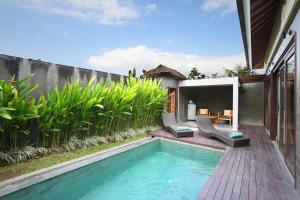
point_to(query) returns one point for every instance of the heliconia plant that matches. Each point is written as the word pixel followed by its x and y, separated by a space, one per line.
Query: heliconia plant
pixel 17 110
pixel 76 111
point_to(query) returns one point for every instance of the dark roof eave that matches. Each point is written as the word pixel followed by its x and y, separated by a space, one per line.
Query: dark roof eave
pixel 166 75
pixel 252 79
pixel 162 70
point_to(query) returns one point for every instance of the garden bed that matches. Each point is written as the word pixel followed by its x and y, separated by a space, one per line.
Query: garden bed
pixel 10 171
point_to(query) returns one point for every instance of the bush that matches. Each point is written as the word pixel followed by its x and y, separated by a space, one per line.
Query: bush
pixel 74 111
pixel 17 110
pixel 28 152
pixel 238 71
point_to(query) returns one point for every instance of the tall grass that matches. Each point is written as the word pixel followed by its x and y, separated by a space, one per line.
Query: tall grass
pixel 77 111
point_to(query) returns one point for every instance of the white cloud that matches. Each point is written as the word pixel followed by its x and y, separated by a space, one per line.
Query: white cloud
pixel 224 6
pixel 150 8
pixel 39 37
pixel 169 40
pixel 142 57
pixel 66 34
pixel 108 12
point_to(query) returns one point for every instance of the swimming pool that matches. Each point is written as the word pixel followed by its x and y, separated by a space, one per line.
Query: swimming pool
pixel 160 169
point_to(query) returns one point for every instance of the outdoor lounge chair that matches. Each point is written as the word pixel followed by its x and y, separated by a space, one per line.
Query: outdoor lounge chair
pixel 203 111
pixel 225 116
pixel 171 125
pixel 206 129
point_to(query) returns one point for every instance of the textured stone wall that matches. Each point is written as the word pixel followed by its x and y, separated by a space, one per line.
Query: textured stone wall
pixel 251 104
pixel 47 75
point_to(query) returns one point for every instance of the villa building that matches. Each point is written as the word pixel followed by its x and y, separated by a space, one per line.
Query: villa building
pixel 269 30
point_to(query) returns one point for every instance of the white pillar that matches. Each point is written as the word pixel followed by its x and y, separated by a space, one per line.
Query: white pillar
pixel 235 104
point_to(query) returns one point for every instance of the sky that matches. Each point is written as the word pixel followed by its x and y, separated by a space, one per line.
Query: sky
pixel 117 35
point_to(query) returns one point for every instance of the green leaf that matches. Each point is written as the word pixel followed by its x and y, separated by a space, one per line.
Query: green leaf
pixel 99 106
pixel 5 116
pixel 55 130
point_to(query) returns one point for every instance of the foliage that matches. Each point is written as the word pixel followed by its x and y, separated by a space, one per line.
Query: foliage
pixel 98 109
pixel 17 110
pixel 29 152
pixel 13 170
pixel 214 75
pixel 148 102
pixel 68 111
pixel 132 73
pixel 6 158
pixel 194 74
pixel 238 71
pixel 75 112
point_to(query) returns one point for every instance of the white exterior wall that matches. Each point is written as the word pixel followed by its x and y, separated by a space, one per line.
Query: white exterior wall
pixel 234 81
pixel 168 82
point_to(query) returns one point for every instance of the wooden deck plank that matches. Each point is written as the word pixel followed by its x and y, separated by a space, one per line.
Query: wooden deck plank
pixel 239 177
pixel 222 186
pixel 258 167
pixel 244 194
pixel 252 180
pixel 223 163
pixel 232 176
pixel 219 177
pixel 246 173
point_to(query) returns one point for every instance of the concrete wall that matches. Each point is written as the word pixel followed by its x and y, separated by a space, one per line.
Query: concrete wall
pixel 49 74
pixel 251 103
pixel 215 98
pixel 168 82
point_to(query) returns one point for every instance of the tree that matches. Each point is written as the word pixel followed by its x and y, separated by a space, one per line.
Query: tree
pixel 142 76
pixel 132 73
pixel 238 71
pixel 194 74
pixel 214 75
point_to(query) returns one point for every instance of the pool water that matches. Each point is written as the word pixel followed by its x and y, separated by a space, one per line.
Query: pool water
pixel 156 170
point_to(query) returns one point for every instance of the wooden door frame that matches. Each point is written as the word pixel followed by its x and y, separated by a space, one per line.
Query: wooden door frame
pixel 289 51
pixel 170 90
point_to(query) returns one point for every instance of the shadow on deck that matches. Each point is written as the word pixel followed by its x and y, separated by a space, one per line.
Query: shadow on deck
pixel 254 172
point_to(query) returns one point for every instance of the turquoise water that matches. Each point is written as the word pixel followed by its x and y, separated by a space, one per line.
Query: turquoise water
pixel 157 170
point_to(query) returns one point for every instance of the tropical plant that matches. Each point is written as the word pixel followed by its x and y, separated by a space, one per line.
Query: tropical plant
pixel 194 74
pixel 214 75
pixel 238 71
pixel 132 72
pixel 30 152
pixel 74 111
pixel 17 110
pixel 148 102
pixel 68 112
pixel 6 158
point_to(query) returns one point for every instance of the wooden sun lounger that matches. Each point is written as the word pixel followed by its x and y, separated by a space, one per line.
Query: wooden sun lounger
pixel 206 129
pixel 171 125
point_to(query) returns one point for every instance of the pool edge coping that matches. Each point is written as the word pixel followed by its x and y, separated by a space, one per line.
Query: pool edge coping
pixel 214 147
pixel 193 144
pixel 20 182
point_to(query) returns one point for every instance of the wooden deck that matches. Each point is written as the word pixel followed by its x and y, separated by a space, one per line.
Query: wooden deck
pixel 254 172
